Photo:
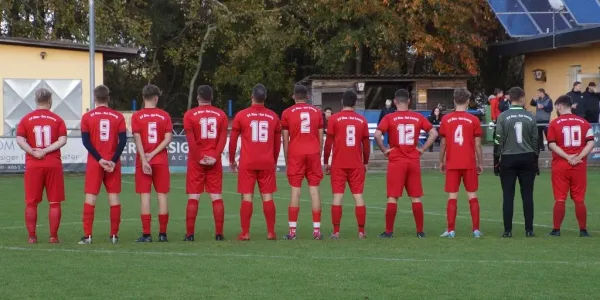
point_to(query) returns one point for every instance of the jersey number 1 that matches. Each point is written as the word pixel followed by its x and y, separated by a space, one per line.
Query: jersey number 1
pixel 260 131
pixel 42 136
pixel 571 136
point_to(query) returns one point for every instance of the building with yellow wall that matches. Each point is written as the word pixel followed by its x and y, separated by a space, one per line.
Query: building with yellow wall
pixel 62 67
pixel 555 62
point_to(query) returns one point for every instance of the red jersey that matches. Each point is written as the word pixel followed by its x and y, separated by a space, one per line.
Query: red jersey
pixel 348 133
pixel 152 124
pixel 460 129
pixel 495 111
pixel 303 121
pixel 42 128
pixel 104 125
pixel 206 129
pixel 570 133
pixel 260 132
pixel 404 129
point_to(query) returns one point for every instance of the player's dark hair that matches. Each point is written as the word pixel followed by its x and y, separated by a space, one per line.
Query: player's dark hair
pixel 205 93
pixel 328 108
pixel 43 95
pixel 101 94
pixel 150 91
pixel 516 94
pixel 300 92
pixel 576 83
pixel 402 96
pixel 461 96
pixel 564 100
pixel 259 93
pixel 349 98
pixel 497 91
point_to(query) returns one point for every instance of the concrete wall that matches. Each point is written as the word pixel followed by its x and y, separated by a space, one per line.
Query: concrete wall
pixel 19 62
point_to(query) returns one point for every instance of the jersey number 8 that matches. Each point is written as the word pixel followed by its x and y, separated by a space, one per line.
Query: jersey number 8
pixel 104 130
pixel 350 135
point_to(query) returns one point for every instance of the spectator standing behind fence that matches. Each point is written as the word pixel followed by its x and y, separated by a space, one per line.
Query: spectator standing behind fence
pixel 578 99
pixel 592 103
pixel 543 109
pixel 435 118
pixel 327 112
pixel 495 111
pixel 388 109
pixel 504 104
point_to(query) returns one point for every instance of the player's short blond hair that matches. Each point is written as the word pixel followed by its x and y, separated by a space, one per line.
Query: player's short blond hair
pixel 43 95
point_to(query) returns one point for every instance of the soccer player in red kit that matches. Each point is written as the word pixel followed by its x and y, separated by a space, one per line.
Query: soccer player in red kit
pixel 302 131
pixel 260 132
pixel 571 139
pixel 41 133
pixel 404 166
pixel 206 131
pixel 461 159
pixel 348 133
pixel 104 135
pixel 152 130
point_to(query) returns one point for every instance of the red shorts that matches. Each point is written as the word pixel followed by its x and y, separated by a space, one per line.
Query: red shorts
pixel 404 174
pixel 267 184
pixel 161 178
pixel 306 165
pixel 469 178
pixel 95 176
pixel 50 178
pixel 354 177
pixel 200 178
pixel 569 179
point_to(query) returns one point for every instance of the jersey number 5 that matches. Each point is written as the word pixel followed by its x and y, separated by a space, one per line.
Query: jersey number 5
pixel 208 128
pixel 42 136
pixel 406 134
pixel 104 130
pixel 571 136
pixel 304 122
pixel 260 131
pixel 152 134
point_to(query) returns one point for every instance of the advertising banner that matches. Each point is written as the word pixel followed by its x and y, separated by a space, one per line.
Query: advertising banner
pixel 595 154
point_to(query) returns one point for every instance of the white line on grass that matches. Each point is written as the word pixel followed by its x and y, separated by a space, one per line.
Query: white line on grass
pixel 255 256
pixel 402 211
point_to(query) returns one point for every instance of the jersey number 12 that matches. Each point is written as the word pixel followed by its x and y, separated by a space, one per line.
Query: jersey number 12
pixel 406 134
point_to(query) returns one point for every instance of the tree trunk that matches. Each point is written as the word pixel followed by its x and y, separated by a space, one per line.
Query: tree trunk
pixel 203 46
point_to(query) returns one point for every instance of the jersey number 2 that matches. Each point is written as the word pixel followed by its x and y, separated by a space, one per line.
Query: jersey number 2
pixel 304 122
pixel 42 136
pixel 208 128
pixel 406 134
pixel 260 131
pixel 571 136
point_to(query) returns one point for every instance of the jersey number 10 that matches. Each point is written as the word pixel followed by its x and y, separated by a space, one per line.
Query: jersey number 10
pixel 571 136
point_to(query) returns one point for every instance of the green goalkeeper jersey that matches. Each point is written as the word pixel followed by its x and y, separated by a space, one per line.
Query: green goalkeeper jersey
pixel 516 132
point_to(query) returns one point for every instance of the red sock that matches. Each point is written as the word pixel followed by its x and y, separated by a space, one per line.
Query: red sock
pixel 451 214
pixel 269 212
pixel 191 212
pixel 390 216
pixel 218 215
pixel 293 218
pixel 417 209
pixel 336 217
pixel 54 216
pixel 163 220
pixel 88 218
pixel 316 217
pixel 31 218
pixel 581 214
pixel 246 216
pixel 558 214
pixel 361 216
pixel 115 219
pixel 474 206
pixel 146 221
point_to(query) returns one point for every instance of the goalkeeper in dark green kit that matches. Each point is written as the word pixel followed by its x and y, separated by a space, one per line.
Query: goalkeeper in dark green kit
pixel 517 141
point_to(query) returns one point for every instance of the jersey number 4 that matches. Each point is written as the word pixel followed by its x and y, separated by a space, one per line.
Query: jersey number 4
pixel 458 135
pixel 208 128
pixel 406 134
pixel 260 131
pixel 571 136
pixel 42 136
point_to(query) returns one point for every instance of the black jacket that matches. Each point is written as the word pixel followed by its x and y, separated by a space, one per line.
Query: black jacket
pixel 433 120
pixel 386 111
pixel 592 106
pixel 579 99
pixel 503 105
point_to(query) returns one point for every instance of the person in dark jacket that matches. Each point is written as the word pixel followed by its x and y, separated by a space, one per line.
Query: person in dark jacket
pixel 435 118
pixel 388 109
pixel 327 112
pixel 543 110
pixel 592 103
pixel 578 99
pixel 504 104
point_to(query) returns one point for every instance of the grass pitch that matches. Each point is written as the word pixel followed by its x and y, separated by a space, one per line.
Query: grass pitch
pixel 400 268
